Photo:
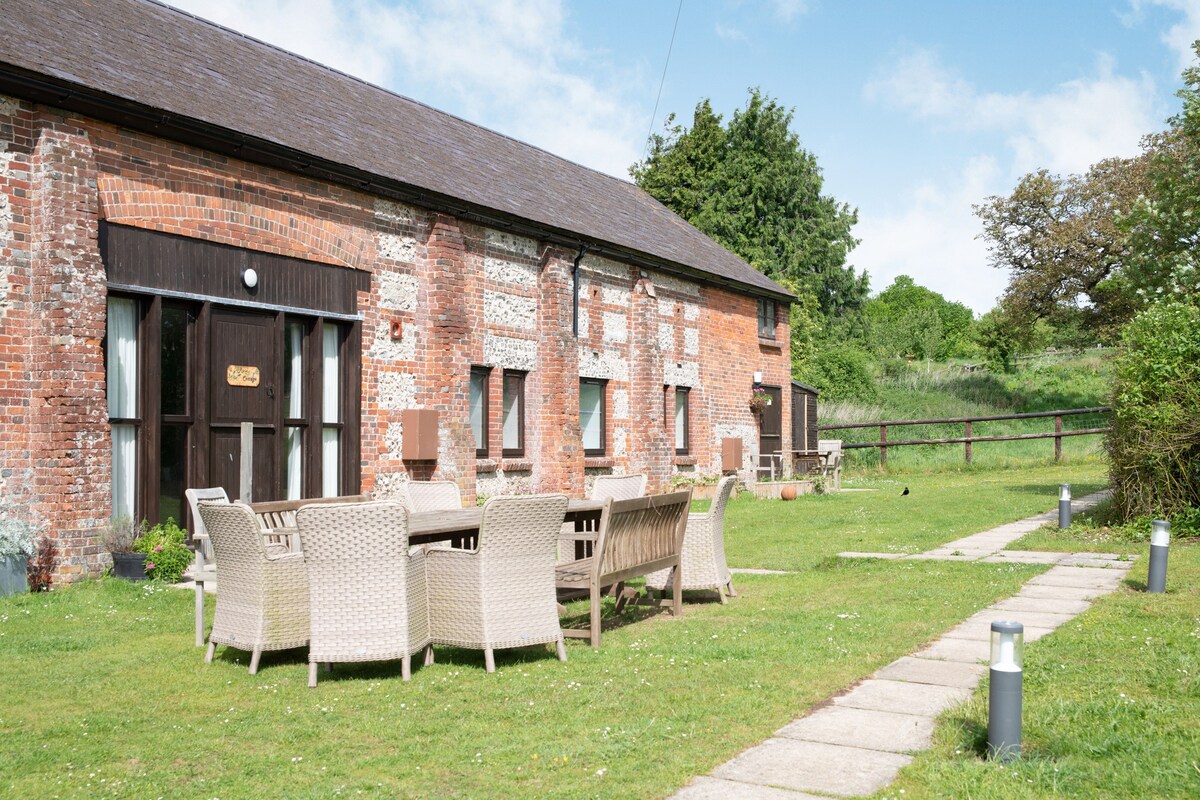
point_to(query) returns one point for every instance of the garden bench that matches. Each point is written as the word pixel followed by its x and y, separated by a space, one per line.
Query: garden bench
pixel 635 537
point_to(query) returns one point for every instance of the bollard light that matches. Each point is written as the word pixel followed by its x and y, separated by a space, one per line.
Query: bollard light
pixel 1064 505
pixel 1004 690
pixel 1160 538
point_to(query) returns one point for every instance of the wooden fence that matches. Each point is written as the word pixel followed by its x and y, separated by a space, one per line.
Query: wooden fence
pixel 967 438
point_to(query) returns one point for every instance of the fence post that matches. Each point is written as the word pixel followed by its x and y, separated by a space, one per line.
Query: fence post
pixel 883 446
pixel 1058 438
pixel 967 435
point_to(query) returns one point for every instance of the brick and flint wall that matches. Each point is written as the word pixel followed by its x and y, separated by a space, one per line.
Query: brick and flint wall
pixel 445 294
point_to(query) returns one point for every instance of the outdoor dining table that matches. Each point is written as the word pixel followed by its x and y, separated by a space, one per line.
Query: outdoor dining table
pixel 463 523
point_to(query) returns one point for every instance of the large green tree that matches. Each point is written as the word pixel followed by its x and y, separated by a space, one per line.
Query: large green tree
pixel 1061 239
pixel 908 319
pixel 753 188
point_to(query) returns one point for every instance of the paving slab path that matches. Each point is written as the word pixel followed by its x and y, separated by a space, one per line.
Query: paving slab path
pixel 856 743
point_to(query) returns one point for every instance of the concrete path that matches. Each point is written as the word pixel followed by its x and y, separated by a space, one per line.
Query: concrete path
pixel 856 743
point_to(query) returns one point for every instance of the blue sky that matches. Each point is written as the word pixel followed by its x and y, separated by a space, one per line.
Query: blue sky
pixel 915 110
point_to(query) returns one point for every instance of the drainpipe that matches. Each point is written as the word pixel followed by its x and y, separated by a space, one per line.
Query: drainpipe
pixel 575 291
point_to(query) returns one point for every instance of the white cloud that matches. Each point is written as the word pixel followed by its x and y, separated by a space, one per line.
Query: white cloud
pixel 505 64
pixel 729 34
pixel 933 239
pixel 788 10
pixel 1180 36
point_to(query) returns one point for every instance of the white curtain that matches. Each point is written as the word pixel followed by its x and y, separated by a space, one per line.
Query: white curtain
pixel 122 401
pixel 292 451
pixel 478 399
pixel 680 419
pixel 591 398
pixel 329 361
pixel 512 413
pixel 295 342
pixel 122 358
pixel 329 462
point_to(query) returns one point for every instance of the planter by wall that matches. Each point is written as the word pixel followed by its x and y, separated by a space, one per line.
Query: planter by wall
pixel 130 566
pixel 769 490
pixel 12 576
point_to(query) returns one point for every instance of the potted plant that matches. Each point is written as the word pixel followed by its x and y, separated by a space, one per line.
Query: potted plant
pixel 759 399
pixel 167 554
pixel 16 546
pixel 120 538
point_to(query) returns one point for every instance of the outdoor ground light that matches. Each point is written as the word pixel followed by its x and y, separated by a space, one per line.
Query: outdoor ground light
pixel 1004 692
pixel 1064 505
pixel 1160 537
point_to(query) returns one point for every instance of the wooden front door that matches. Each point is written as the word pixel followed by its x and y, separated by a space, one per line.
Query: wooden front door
pixel 770 424
pixel 244 378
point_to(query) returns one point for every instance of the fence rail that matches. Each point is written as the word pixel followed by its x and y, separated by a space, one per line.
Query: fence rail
pixel 967 438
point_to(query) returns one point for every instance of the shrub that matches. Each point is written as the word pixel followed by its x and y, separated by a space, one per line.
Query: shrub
pixel 121 533
pixel 840 373
pixel 1154 447
pixel 167 556
pixel 39 572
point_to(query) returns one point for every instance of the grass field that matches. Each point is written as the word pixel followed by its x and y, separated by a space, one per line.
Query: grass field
pixel 103 695
pixel 940 391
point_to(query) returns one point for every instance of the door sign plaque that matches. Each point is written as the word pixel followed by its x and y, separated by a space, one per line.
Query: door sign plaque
pixel 236 375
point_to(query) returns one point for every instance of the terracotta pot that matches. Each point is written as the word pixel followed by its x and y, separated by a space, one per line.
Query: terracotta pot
pixel 787 493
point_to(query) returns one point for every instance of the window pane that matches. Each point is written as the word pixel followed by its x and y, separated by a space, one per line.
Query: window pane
pixel 173 364
pixel 293 383
pixel 171 458
pixel 329 462
pixel 514 402
pixel 293 455
pixel 478 407
pixel 329 348
pixel 591 410
pixel 122 358
pixel 681 399
pixel 124 470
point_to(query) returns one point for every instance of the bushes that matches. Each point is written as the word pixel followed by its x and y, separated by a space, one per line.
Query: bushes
pixel 166 554
pixel 1154 448
pixel 840 373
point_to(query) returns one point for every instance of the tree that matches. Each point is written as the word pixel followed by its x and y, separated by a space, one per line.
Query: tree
pixel 753 188
pixel 1062 239
pixel 907 319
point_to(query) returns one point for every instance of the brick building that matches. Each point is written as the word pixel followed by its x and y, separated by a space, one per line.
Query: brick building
pixel 198 229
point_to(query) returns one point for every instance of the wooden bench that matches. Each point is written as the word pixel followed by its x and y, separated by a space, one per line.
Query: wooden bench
pixel 635 537
pixel 278 517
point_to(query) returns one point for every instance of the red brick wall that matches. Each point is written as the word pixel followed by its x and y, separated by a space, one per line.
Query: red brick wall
pixel 461 295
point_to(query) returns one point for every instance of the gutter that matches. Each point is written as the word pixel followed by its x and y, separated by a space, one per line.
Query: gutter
pixel 575 291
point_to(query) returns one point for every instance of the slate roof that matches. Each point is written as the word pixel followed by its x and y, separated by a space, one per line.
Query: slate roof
pixel 160 58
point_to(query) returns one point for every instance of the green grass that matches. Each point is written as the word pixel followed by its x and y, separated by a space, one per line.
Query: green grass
pixel 1111 706
pixel 103 694
pixel 938 391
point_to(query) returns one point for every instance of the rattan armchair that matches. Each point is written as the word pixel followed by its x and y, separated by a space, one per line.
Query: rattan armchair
pixel 263 600
pixel 368 591
pixel 703 560
pixel 419 496
pixel 618 487
pixel 500 594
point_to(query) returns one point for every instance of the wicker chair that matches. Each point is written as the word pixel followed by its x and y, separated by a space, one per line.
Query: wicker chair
pixel 204 568
pixel 618 487
pixel 263 601
pixel 368 590
pixel 419 496
pixel 501 594
pixel 703 557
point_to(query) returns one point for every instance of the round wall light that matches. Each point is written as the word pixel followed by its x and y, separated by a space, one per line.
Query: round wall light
pixel 250 278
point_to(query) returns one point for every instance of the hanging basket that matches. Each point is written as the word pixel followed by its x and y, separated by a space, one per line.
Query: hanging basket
pixel 759 401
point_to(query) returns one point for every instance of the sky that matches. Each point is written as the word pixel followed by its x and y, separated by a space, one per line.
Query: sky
pixel 915 110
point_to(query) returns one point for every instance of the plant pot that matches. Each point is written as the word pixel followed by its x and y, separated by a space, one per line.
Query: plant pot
pixel 12 575
pixel 129 566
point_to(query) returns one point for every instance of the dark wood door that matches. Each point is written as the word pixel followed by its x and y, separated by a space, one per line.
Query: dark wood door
pixel 243 380
pixel 770 424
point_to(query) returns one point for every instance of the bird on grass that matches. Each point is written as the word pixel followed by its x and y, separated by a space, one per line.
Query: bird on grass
pixel 905 492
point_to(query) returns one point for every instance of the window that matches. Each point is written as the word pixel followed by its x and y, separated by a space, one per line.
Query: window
pixel 122 369
pixel 766 319
pixel 331 419
pixel 681 420
pixel 175 420
pixel 591 415
pixel 513 419
pixel 479 409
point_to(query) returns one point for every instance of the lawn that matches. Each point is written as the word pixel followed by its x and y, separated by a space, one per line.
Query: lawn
pixel 103 694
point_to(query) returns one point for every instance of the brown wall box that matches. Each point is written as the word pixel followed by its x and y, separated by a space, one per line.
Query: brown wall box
pixel 420 434
pixel 731 454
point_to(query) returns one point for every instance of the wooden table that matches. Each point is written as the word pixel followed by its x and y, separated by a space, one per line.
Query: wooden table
pixel 440 526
